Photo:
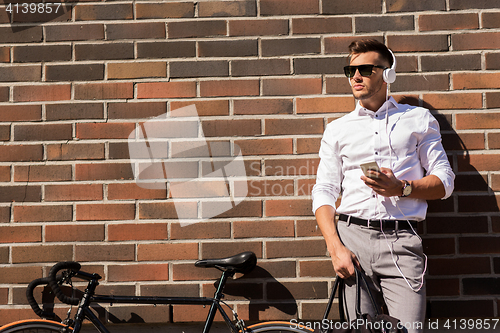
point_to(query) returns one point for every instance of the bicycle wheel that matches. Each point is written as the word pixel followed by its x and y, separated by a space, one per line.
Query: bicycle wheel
pixel 35 326
pixel 278 327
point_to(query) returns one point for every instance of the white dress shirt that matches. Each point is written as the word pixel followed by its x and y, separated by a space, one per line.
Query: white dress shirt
pixel 404 138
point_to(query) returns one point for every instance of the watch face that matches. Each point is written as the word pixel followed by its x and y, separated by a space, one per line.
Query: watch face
pixel 407 190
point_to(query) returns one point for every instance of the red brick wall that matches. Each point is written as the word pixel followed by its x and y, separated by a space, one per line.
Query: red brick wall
pixel 264 75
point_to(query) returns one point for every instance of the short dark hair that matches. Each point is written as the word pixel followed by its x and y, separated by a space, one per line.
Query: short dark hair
pixel 367 45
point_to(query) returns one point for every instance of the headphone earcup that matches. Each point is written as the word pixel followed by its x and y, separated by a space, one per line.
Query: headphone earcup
pixel 389 75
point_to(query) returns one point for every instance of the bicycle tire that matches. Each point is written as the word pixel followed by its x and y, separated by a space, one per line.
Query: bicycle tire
pixel 277 327
pixel 35 326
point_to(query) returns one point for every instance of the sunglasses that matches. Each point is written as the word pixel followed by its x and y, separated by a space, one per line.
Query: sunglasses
pixel 364 70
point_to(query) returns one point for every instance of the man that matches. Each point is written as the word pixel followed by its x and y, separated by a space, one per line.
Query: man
pixel 376 230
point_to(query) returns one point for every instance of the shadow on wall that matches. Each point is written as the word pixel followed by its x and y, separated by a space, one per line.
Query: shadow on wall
pixel 461 235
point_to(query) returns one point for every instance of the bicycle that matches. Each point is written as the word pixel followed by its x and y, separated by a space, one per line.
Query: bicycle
pixel 241 263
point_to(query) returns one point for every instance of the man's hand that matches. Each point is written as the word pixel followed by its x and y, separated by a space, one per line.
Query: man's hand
pixel 343 262
pixel 386 184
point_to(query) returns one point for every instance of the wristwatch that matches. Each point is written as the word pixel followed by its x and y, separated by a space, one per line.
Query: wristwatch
pixel 406 189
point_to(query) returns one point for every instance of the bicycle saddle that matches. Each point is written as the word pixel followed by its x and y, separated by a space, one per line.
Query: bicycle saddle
pixel 244 262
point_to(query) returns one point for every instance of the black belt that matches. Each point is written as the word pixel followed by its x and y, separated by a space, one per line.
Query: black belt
pixel 386 224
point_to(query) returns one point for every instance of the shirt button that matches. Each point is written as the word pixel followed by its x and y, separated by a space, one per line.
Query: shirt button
pixel 376 153
pixel 376 132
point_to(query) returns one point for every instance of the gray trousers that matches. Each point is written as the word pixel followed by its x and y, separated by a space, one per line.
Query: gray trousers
pixel 372 248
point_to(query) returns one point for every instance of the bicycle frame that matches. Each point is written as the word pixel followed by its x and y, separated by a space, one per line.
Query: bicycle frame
pixel 84 311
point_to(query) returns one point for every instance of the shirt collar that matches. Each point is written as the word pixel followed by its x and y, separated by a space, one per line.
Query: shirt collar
pixel 361 111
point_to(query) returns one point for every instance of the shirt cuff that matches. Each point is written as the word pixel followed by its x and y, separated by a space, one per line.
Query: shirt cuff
pixel 448 182
pixel 322 201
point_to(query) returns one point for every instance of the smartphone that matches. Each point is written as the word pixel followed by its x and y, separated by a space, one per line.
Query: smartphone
pixel 370 166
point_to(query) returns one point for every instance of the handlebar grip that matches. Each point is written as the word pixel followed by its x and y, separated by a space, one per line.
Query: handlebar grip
pixel 31 299
pixel 55 286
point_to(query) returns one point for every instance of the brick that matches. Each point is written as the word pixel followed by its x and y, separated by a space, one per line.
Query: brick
pixel 477 120
pixel 258 27
pixel 286 311
pixel 329 65
pixel 168 49
pixel 104 51
pixel 461 225
pixel 115 252
pixel 436 82
pixel 136 70
pixel 74 32
pixel 481 286
pixel 140 314
pixel 297 290
pixel 335 45
pixel 338 85
pixel 42 213
pixel 73 72
pixel 270 228
pixel 74 233
pixel 292 87
pixel 440 207
pixel 122 90
pixel 4 54
pixel 482 203
pixel 405 6
pixel 20 274
pixel 225 88
pixel 316 268
pixel 58 13
pixel 265 146
pixel 478 245
pixel 471 141
pixel 290 167
pixel 4 94
pixel 299 207
pixel 54 92
pixel 226 249
pixel 443 287
pixel 234 127
pixel 325 104
pixel 4 175
pixel 201 230
pixel 475 81
pixel 448 21
pixel 305 186
pixel 198 28
pixel 103 171
pixel 199 68
pixel 263 106
pixel 477 162
pixel 41 253
pixel 337 8
pixel 43 132
pixel 260 67
pixel 166 89
pixel 243 209
pixel 4 257
pixel 74 111
pixel 418 43
pixel 104 12
pixel 10 113
pixel 21 153
pixel 73 192
pixel 290 46
pixel 171 289
pixel 258 188
pixel 492 60
pixel 321 25
pixel 494 140
pixel 289 7
pixel 126 191
pixel 125 110
pixel 40 173
pixel 204 107
pixel 227 8
pixel 192 313
pixel 294 126
pixel 164 10
pixel 78 151
pixel 138 272
pixel 20 234
pixel 454 266
pixel 4 132
pixel 295 248
pixel 10 35
pixel 148 30
pixel 139 231
pixel 385 23
pixel 20 73
pixel 492 100
pixel 167 251
pixel 490 20
pixel 451 62
pixel 475 41
pixel 461 4
pixel 229 48
pixel 454 101
pixel 165 210
pixel 236 291
pixel 104 212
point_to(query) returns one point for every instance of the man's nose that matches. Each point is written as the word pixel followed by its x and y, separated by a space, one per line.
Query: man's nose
pixel 357 76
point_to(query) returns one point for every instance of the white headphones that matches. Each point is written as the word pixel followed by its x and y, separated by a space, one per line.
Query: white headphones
pixel 389 74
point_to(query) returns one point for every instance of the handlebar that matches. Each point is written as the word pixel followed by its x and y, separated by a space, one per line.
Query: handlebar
pixel 53 280
pixel 31 299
